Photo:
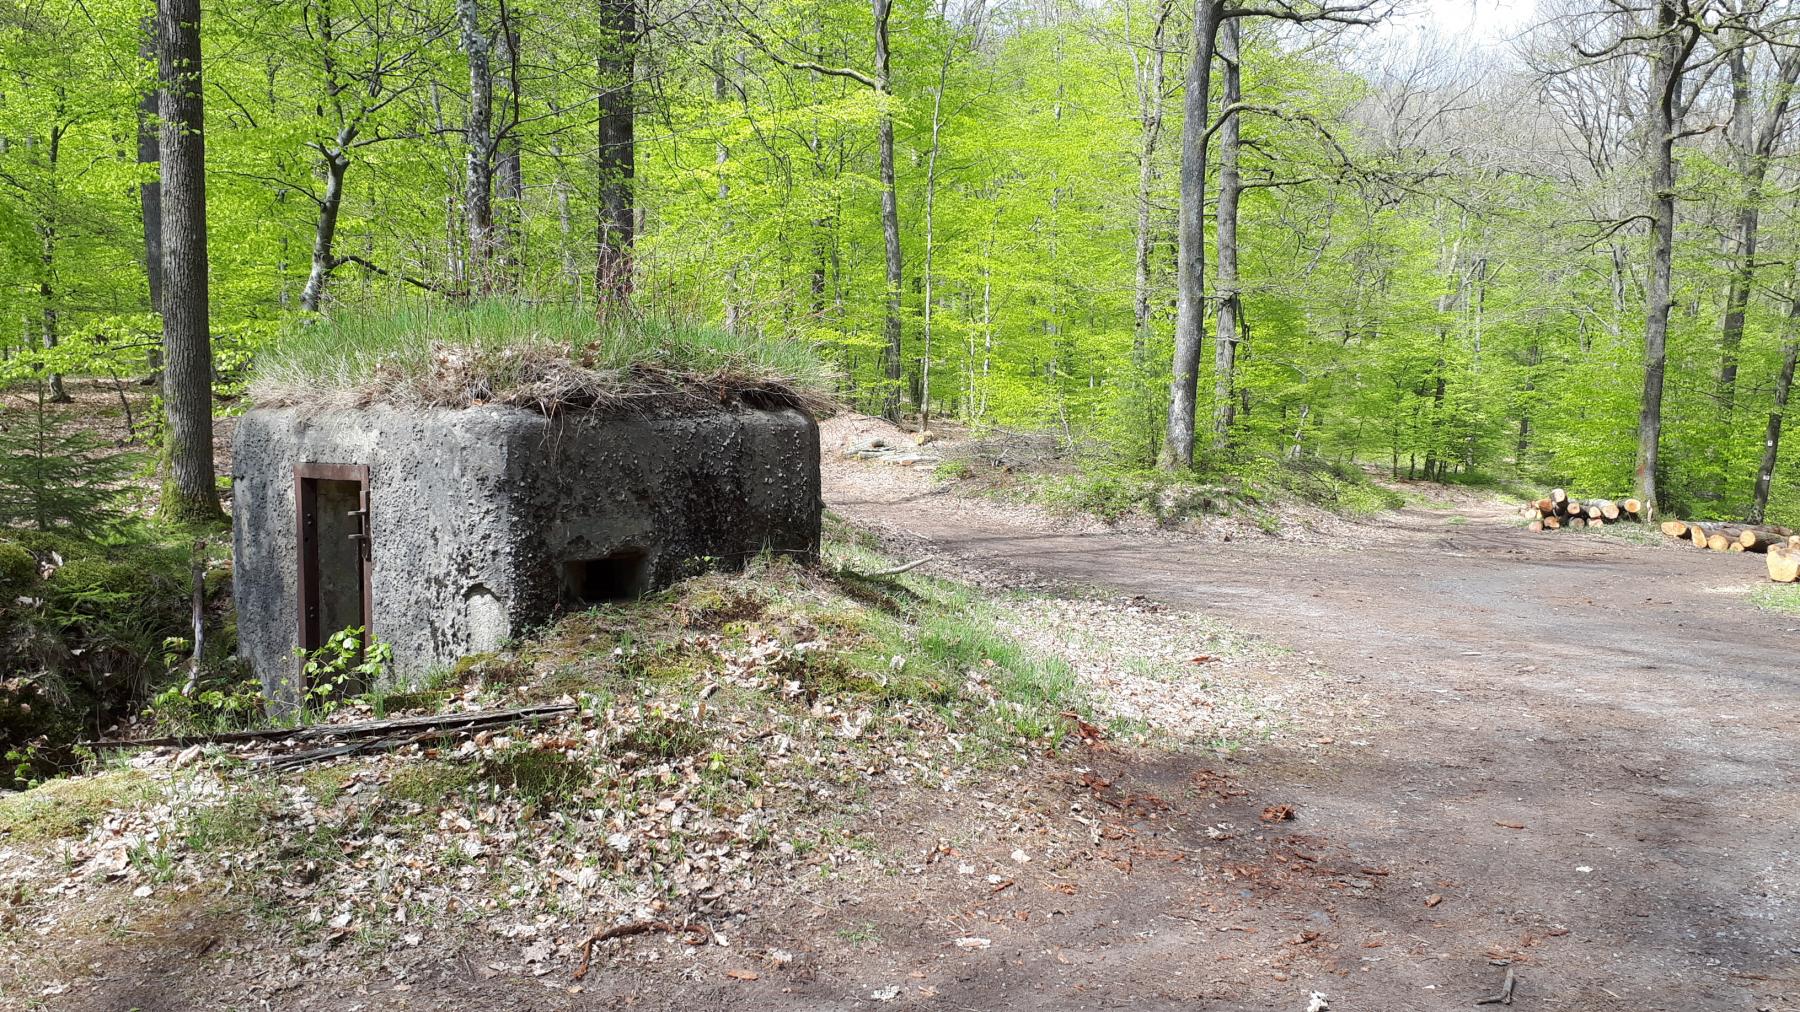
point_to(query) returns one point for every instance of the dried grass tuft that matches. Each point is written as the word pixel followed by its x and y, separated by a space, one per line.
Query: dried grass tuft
pixel 550 381
pixel 541 361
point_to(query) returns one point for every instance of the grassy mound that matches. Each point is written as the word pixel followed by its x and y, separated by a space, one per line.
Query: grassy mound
pixel 542 357
pixel 1253 488
pixel 734 729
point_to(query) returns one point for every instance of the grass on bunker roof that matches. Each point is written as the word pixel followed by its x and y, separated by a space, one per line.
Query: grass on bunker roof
pixel 545 357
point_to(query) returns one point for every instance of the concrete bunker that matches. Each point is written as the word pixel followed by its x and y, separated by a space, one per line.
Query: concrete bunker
pixel 447 531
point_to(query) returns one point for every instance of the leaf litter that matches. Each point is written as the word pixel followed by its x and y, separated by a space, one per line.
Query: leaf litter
pixel 721 734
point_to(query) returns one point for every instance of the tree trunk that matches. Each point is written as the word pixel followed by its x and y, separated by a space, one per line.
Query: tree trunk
pixel 324 259
pixel 617 224
pixel 1190 316
pixel 509 175
pixel 1784 384
pixel 890 218
pixel 190 493
pixel 1225 346
pixel 1150 121
pixel 1752 145
pixel 931 164
pixel 1671 53
pixel 722 162
pixel 150 190
pixel 478 181
pixel 47 228
pixel 1737 294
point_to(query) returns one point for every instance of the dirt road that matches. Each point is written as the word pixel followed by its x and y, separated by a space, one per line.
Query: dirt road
pixel 1587 772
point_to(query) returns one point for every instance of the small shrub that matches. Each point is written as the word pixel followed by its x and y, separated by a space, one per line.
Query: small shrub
pixel 222 698
pixel 345 664
pixel 55 480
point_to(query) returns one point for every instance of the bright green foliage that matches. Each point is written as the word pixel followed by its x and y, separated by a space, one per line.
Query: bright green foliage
pixel 346 664
pixel 1429 296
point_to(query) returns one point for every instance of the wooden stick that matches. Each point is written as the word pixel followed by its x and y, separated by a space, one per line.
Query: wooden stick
pixel 1505 997
pixel 314 732
pixel 897 570
pixel 634 928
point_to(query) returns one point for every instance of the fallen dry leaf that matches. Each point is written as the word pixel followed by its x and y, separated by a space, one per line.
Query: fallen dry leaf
pixel 1434 899
pixel 1203 659
pixel 1278 813
pixel 743 974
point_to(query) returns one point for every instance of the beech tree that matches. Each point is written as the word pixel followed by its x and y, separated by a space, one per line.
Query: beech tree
pixel 1190 320
pixel 1449 257
pixel 189 492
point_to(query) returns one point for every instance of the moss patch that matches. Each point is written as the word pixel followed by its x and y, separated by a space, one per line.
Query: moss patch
pixel 60 809
pixel 18 569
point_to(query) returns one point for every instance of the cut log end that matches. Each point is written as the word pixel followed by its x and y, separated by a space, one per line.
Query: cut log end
pixel 1783 562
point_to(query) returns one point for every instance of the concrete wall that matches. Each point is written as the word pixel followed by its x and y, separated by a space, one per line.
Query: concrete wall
pixel 476 512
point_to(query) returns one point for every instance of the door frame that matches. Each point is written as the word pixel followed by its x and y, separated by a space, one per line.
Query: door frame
pixel 307 475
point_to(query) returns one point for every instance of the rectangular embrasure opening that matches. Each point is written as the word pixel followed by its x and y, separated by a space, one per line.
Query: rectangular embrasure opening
pixel 620 576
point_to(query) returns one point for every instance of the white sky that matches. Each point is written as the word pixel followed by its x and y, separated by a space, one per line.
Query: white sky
pixel 1484 22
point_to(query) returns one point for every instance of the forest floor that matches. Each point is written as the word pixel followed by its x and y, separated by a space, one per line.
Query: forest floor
pixel 1410 756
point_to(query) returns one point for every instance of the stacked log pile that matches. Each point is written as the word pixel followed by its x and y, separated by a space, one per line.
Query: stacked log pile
pixel 1780 545
pixel 1559 510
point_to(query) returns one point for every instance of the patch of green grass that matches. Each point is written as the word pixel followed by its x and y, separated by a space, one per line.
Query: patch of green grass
pixel 1636 533
pixel 942 632
pixel 1510 486
pixel 860 934
pixel 496 348
pixel 667 738
pixel 1253 483
pixel 59 809
pixel 544 778
pixel 428 784
pixel 953 470
pixel 237 823
pixel 1777 597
